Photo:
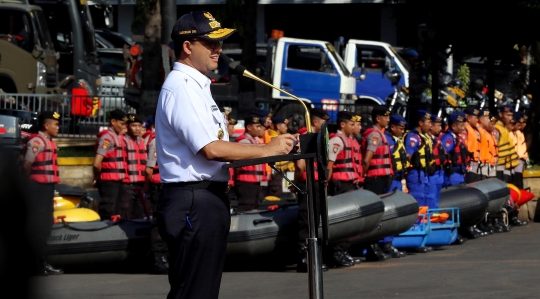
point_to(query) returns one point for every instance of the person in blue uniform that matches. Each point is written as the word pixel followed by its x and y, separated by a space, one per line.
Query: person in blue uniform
pixel 419 152
pixel 436 170
pixel 456 149
pixel 400 161
pixel 192 146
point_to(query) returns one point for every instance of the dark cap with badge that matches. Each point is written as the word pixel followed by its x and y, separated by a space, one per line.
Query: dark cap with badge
pixel 397 120
pixel 436 119
pixel 232 121
pixel 379 111
pixel 457 117
pixel 320 113
pixel 346 116
pixel 471 111
pixel 48 115
pixel 118 114
pixel 423 115
pixel 279 120
pixel 506 108
pixel 199 24
pixel 253 119
pixel 132 118
pixel 517 117
pixel 261 113
pixel 485 113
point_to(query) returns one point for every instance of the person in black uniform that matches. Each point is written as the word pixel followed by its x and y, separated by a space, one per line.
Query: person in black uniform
pixel 192 148
pixel 40 164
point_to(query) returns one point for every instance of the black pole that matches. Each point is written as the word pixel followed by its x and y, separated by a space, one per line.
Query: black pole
pixel 491 84
pixel 314 257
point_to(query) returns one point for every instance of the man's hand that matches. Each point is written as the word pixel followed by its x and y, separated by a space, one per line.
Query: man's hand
pixel 281 145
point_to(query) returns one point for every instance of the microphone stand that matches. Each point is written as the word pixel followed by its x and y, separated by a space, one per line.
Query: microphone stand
pixel 314 255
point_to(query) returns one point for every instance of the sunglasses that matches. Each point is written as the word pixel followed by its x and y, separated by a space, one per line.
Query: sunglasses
pixel 209 44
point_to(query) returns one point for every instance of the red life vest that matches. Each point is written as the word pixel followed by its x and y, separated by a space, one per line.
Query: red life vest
pixel 439 153
pixel 357 157
pixel 459 155
pixel 344 168
pixel 155 179
pixel 251 173
pixel 135 153
pixel 44 169
pixel 381 162
pixel 113 166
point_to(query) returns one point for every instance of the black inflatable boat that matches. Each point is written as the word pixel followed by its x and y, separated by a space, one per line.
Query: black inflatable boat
pixel 472 203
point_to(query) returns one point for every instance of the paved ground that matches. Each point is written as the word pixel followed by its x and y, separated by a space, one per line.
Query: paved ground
pixel 503 265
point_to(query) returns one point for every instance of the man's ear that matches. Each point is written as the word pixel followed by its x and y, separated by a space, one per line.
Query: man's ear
pixel 186 45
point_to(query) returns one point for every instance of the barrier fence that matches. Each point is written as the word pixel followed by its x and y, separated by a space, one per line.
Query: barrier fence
pixel 84 116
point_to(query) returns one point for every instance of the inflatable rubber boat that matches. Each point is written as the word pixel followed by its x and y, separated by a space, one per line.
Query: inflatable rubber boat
pixel 255 233
pixel 471 202
pixel 496 191
pixel 400 213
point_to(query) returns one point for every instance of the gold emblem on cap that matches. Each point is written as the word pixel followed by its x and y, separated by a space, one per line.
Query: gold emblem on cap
pixel 475 111
pixel 220 134
pixel 132 117
pixel 125 118
pixel 256 120
pixel 460 118
pixel 209 15
pixel 56 115
pixel 357 118
pixel 427 116
pixel 286 121
pixel 486 113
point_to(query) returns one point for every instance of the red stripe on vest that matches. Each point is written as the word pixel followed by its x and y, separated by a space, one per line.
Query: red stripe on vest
pixel 344 168
pixel 155 179
pixel 135 153
pixel 113 165
pixel 44 169
pixel 251 173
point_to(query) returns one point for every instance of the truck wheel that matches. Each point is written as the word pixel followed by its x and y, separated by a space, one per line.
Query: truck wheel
pixel 295 113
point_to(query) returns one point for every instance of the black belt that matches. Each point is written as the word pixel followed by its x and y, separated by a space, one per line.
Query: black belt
pixel 140 184
pixel 218 188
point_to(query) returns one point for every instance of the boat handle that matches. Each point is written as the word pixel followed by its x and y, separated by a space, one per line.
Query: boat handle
pixel 262 220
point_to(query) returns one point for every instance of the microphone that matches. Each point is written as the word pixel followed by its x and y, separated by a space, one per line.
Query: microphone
pixel 241 70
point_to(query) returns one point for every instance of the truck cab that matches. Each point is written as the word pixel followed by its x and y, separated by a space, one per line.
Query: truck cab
pixel 371 60
pixel 28 60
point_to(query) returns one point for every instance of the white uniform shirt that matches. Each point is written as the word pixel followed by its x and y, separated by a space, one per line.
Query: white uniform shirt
pixel 187 119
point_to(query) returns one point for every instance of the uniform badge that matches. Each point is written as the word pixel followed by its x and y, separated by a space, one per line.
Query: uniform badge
pixel 155 154
pixel 336 148
pixel 375 140
pixel 448 143
pixel 220 134
pixel 412 141
pixel 35 147
pixel 106 144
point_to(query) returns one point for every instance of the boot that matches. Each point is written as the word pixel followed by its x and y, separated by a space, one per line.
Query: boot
pixel 341 259
pixel 355 260
pixel 479 232
pixel 374 253
pixel 389 249
pixel 497 225
pixel 160 263
pixel 514 220
pixel 486 226
pixel 468 232
pixel 460 240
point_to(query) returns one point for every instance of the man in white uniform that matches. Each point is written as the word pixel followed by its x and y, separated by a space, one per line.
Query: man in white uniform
pixel 192 146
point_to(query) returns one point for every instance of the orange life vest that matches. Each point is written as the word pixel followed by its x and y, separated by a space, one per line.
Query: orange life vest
pixel 488 147
pixel 155 179
pixel 473 142
pixel 521 145
pixel 381 162
pixel 44 169
pixel 251 173
pixel 344 168
pixel 113 167
pixel 135 153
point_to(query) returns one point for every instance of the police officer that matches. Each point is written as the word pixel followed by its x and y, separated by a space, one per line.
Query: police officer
pixel 318 118
pixel 436 173
pixel 109 165
pixel 379 173
pixel 357 148
pixel 400 162
pixel 231 122
pixel 456 149
pixel 192 143
pixel 473 142
pixel 419 151
pixel 275 184
pixel 248 179
pixel 41 165
pixel 149 126
pixel 132 206
pixel 488 145
pixel 521 150
pixel 507 158
pixel 343 175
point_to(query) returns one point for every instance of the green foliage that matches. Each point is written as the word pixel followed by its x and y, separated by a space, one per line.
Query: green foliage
pixel 79 151
pixel 464 75
pixel 143 7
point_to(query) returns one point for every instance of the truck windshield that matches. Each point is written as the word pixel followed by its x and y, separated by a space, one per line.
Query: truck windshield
pixel 43 30
pixel 401 60
pixel 340 62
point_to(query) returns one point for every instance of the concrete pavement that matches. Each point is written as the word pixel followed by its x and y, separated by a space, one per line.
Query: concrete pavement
pixel 505 265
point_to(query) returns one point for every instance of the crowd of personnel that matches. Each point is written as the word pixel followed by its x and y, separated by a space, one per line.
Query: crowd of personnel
pixel 421 157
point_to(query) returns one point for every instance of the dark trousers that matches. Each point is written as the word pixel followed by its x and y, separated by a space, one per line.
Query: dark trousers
pixel 131 206
pixel 110 193
pixel 471 177
pixel 503 177
pixel 156 242
pixel 378 184
pixel 303 219
pixel 339 187
pixel 275 185
pixel 39 219
pixel 195 224
pixel 247 195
